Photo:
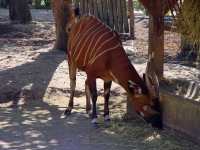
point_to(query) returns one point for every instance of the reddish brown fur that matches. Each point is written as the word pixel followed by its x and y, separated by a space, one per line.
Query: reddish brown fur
pixel 113 65
pixel 94 48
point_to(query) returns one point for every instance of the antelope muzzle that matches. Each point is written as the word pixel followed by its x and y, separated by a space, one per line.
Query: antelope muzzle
pixel 155 120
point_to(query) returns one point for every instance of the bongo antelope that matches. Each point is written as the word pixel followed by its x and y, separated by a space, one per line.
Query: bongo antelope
pixel 97 50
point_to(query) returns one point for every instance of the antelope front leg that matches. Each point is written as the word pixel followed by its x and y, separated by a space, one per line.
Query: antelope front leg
pixel 72 75
pixel 87 92
pixel 93 91
pixel 107 86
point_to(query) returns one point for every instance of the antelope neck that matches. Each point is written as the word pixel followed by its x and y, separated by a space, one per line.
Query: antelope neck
pixel 125 71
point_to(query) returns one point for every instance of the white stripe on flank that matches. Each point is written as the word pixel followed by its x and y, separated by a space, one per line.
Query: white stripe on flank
pixel 76 37
pixel 97 43
pixel 82 37
pixel 106 41
pixel 113 76
pixel 80 27
pixel 97 30
pixel 89 47
pixel 102 53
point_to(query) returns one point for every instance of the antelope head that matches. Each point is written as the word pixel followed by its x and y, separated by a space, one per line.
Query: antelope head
pixel 73 14
pixel 146 103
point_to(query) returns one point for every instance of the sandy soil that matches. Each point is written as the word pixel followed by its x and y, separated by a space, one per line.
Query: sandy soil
pixel 34 91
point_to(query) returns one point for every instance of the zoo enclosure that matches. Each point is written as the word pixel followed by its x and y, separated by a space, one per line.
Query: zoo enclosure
pixel 114 13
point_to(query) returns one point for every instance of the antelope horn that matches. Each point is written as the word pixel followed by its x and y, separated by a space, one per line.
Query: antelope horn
pixel 151 57
pixel 155 77
pixel 148 83
pixel 155 83
pixel 131 83
pixel 151 79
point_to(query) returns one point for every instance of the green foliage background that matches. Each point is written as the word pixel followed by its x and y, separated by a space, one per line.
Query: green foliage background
pixel 188 20
pixel 138 6
pixel 41 4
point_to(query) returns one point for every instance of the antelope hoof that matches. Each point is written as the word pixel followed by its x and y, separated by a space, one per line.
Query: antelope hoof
pixel 88 110
pixel 89 114
pixel 68 112
pixel 107 121
pixel 155 121
pixel 95 123
pixel 106 118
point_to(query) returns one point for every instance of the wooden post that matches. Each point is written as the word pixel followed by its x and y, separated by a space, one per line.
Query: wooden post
pixel 125 16
pixel 91 7
pixel 86 6
pixel 95 8
pixel 76 2
pixel 120 16
pixel 105 11
pixel 110 14
pixel 116 26
pixel 132 18
pixel 100 10
pixel 82 7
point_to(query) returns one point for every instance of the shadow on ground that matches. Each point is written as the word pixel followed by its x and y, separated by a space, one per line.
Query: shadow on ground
pixel 39 126
pixel 29 80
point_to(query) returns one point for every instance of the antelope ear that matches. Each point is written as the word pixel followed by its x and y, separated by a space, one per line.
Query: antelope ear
pixel 144 77
pixel 77 12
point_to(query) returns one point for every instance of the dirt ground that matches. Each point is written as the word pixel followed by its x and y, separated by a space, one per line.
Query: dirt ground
pixel 34 92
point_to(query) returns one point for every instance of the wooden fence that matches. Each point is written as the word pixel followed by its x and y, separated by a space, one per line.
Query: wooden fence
pixel 112 12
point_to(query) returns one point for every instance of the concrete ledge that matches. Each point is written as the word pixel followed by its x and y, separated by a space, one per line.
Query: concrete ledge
pixel 181 114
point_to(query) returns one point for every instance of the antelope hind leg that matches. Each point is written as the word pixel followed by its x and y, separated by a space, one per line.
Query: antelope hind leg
pixel 88 104
pixel 107 86
pixel 93 91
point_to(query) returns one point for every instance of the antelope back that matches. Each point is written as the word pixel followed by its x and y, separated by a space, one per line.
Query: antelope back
pixel 90 39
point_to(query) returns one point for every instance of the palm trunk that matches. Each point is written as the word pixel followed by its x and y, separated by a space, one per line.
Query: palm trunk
pixel 156 40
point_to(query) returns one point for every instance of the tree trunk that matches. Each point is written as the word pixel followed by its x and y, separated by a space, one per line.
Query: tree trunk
pixel 19 11
pixel 60 12
pixel 156 39
pixel 198 60
pixel 3 3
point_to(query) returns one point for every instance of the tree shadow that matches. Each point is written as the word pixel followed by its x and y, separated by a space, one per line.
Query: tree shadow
pixel 43 15
pixel 29 80
pixel 39 126
pixel 6 28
